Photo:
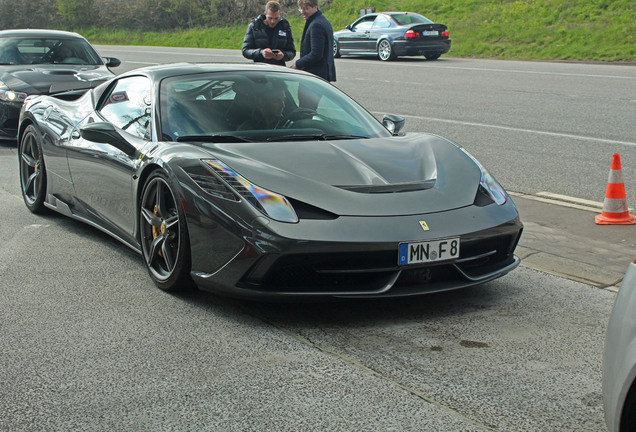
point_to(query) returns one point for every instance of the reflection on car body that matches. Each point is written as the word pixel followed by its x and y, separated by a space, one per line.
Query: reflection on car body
pixel 619 361
pixel 318 204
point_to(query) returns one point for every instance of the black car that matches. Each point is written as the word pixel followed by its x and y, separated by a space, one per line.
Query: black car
pixel 34 62
pixel 262 181
pixel 392 34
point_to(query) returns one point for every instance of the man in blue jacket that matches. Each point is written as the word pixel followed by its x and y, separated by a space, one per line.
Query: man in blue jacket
pixel 316 45
pixel 269 37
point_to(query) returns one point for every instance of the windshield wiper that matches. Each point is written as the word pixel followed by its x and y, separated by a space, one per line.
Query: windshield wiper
pixel 319 137
pixel 213 138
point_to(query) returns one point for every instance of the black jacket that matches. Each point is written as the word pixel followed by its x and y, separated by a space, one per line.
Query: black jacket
pixel 316 47
pixel 256 38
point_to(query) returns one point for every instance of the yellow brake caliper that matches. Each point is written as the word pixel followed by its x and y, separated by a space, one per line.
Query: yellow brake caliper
pixel 157 231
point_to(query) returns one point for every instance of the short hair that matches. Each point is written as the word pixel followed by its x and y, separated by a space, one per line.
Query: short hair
pixel 310 3
pixel 272 5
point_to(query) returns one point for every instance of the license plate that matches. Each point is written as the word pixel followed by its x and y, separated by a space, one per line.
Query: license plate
pixel 430 33
pixel 429 251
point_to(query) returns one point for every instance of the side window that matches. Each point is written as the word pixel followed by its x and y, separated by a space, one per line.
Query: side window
pixel 364 24
pixel 128 106
pixel 381 22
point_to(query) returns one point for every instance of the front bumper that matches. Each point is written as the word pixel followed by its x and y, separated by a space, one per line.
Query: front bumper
pixel 353 256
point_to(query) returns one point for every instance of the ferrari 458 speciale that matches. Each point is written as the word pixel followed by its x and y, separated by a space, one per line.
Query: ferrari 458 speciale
pixel 261 181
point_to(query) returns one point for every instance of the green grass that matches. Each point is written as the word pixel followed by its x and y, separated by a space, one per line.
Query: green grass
pixel 599 30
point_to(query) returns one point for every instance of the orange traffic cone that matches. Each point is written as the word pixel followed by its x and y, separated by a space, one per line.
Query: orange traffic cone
pixel 615 211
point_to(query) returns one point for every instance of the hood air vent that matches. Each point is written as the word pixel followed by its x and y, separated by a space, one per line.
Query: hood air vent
pixel 390 188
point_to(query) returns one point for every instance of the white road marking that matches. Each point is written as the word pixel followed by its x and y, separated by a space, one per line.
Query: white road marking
pixel 563 200
pixel 533 131
pixel 519 71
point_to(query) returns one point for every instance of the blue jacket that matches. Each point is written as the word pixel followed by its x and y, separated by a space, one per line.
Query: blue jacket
pixel 316 47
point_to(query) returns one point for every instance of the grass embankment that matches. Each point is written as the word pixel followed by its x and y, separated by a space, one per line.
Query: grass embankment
pixel 600 30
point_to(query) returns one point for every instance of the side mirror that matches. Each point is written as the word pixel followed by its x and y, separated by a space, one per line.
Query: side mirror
pixel 348 27
pixel 111 62
pixel 393 123
pixel 106 133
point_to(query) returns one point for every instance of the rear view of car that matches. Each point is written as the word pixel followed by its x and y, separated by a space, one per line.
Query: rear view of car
pixel 392 34
pixel 619 361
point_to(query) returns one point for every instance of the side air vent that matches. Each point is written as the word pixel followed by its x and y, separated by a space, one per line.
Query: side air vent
pixel 211 184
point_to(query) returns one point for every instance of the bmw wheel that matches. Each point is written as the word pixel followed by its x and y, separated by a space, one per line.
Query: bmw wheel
pixel 32 170
pixel 385 50
pixel 164 235
pixel 336 49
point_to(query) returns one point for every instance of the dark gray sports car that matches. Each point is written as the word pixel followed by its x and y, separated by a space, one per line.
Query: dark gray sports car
pixel 34 62
pixel 392 34
pixel 261 181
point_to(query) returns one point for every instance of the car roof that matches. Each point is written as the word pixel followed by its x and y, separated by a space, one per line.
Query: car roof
pixel 390 13
pixel 39 33
pixel 158 72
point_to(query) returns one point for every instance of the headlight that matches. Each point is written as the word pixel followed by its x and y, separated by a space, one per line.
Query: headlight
pixel 488 183
pixel 270 203
pixel 11 96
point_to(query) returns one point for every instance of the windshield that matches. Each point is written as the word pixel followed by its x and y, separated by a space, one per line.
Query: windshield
pixel 260 106
pixel 38 50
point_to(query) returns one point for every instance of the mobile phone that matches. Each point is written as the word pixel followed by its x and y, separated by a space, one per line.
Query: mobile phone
pixel 275 51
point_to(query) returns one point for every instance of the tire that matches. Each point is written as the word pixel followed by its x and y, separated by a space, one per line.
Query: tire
pixel 336 49
pixel 628 416
pixel 32 170
pixel 164 237
pixel 385 50
pixel 432 56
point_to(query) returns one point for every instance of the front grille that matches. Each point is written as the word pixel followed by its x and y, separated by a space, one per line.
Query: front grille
pixel 368 272
pixel 363 271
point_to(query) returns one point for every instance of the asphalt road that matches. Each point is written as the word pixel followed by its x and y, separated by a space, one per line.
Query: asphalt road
pixel 88 343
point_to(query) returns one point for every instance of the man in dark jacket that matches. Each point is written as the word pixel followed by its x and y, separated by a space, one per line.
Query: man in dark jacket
pixel 316 45
pixel 269 37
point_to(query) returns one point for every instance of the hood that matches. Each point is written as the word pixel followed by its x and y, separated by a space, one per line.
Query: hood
pixel 413 174
pixel 49 79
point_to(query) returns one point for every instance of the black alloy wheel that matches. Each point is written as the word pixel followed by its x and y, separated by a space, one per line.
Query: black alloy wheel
pixel 432 56
pixel 164 235
pixel 32 170
pixel 385 50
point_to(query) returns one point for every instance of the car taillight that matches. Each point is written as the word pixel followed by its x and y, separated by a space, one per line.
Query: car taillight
pixel 412 34
pixel 444 33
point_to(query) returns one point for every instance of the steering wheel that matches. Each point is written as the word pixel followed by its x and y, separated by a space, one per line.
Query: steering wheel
pixel 48 57
pixel 302 114
pixel 297 114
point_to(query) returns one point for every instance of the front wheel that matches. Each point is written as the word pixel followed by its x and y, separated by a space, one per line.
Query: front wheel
pixel 432 56
pixel 336 49
pixel 32 170
pixel 164 235
pixel 385 50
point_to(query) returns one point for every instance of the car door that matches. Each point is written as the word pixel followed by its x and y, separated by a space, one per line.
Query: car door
pixel 357 37
pixel 380 27
pixel 102 174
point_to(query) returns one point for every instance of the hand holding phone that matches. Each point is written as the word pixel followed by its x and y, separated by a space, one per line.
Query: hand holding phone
pixel 275 51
